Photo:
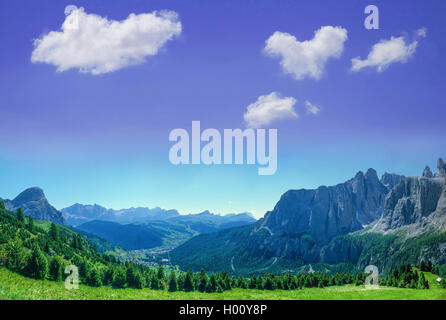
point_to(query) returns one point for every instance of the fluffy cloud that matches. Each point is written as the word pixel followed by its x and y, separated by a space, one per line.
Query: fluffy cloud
pixel 386 52
pixel 307 58
pixel 311 108
pixel 269 108
pixel 96 45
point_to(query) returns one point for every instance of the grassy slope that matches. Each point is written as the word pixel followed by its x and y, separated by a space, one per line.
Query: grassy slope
pixel 14 286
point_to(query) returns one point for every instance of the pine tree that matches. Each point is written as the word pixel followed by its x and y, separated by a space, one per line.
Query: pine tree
pixel 119 278
pixel 212 284
pixel 268 283
pixel 173 283
pixel 189 281
pixel 20 216
pixel 203 281
pixel 54 232
pixel 2 205
pixel 55 269
pixel 241 282
pixel 161 274
pixel 30 225
pixel 37 266
pixel 252 282
pixel 14 254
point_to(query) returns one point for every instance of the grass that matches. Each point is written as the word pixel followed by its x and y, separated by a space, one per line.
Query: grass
pixel 17 287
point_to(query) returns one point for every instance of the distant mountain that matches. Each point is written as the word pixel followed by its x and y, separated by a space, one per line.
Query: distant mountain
pixel 34 203
pixel 350 225
pixel 168 232
pixel 78 214
pixel 294 233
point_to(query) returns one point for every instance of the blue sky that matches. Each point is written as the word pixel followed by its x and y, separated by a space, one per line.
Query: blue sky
pixel 103 138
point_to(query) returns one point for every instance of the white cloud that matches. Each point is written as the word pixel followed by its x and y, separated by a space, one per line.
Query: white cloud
pixel 311 108
pixel 386 52
pixel 96 45
pixel 421 32
pixel 307 58
pixel 269 108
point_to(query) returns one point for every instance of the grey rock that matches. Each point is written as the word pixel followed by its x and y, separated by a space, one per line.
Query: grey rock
pixel 390 180
pixel 441 168
pixel 34 203
pixel 327 212
pixel 411 202
pixel 427 172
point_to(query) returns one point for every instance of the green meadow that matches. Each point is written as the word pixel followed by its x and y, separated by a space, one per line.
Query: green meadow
pixel 16 287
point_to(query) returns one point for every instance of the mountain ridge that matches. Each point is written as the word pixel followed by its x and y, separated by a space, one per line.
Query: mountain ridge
pixel 34 203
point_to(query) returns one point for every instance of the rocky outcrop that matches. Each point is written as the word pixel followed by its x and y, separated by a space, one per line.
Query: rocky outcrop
pixel 34 203
pixel 441 169
pixel 427 173
pixel 327 212
pixel 416 202
pixel 390 180
pixel 411 201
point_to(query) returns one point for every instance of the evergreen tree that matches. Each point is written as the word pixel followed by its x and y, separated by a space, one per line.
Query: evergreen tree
pixel 212 284
pixel 20 216
pixel 203 281
pixel 241 282
pixel 119 278
pixel 55 269
pixel 54 232
pixel 252 282
pixel 161 274
pixel 268 283
pixel 14 254
pixel 173 283
pixel 94 277
pixel 188 282
pixel 2 205
pixel 30 225
pixel 108 276
pixel 37 266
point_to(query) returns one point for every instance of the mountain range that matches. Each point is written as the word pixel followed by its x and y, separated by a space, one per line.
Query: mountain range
pixel 166 231
pixel 362 221
pixel 366 220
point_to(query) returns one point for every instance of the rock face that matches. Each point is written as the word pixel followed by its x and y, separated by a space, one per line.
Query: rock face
pixel 411 201
pixel 34 203
pixel 427 173
pixel 415 200
pixel 327 212
pixel 441 168
pixel 390 180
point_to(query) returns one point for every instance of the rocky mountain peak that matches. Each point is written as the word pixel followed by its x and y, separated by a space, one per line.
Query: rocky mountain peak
pixel 34 203
pixel 427 173
pixel 31 194
pixel 441 168
pixel 390 180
